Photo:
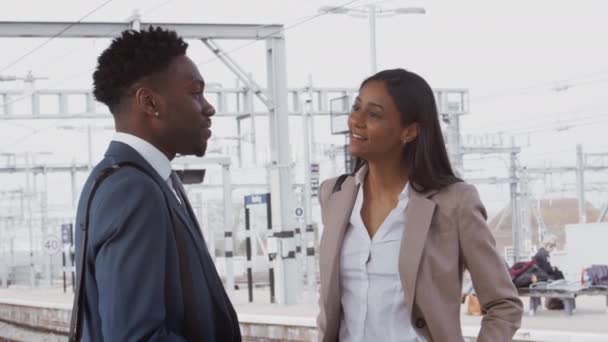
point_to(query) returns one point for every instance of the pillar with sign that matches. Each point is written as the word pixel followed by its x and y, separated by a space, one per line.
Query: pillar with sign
pixel 299 243
pixel 67 239
pixel 253 202
pixel 310 234
pixel 314 179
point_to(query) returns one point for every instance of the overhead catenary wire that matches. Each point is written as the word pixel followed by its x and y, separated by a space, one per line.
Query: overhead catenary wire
pixel 555 85
pixel 286 28
pixel 40 46
pixel 297 22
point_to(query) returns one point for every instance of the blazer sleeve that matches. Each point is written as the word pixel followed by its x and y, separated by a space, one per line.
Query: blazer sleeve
pixel 130 260
pixel 498 297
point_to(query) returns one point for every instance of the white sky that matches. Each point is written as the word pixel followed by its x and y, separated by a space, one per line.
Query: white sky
pixel 509 54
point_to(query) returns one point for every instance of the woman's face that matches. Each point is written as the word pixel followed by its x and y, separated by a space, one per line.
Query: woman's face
pixel 376 131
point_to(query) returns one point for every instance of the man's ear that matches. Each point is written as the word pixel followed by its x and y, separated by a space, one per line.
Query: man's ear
pixel 147 101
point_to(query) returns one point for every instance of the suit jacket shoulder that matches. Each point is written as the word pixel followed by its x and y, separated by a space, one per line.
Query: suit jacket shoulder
pixel 118 198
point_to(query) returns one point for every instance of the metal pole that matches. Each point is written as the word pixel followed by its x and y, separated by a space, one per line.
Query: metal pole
pixel 454 143
pixel 35 97
pixel 580 184
pixel 238 124
pixel 210 230
pixel 271 258
pixel 372 37
pixel 525 213
pixel 307 172
pixel 73 182
pixel 65 289
pixel 308 227
pixel 239 142
pixel 4 240
pixel 90 103
pixel 28 192
pixel 44 224
pixel 280 185
pixel 63 104
pixel 7 104
pixel 22 205
pixel 228 230
pixel 313 148
pixel 237 83
pixel 248 246
pixel 238 70
pixel 249 109
pixel 515 226
pixel 89 148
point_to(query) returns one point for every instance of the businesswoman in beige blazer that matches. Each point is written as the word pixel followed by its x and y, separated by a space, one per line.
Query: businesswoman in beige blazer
pixel 400 230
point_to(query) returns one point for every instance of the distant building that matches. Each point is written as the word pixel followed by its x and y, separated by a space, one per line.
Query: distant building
pixel 555 214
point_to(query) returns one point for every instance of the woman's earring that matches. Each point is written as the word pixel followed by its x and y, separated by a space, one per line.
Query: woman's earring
pixel 156 114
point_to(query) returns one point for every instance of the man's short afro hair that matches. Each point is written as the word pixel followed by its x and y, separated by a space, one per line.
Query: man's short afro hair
pixel 132 56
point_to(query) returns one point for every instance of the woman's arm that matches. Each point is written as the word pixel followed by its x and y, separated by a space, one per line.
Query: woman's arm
pixel 498 297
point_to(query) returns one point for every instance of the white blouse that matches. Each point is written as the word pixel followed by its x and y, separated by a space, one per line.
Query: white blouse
pixel 372 300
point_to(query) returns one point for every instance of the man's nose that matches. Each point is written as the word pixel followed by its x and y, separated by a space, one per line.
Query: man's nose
pixel 208 110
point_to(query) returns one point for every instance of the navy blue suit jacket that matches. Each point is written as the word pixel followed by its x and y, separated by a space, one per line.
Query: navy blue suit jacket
pixel 134 290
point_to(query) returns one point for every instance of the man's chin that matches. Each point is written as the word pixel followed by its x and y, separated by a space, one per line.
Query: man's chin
pixel 198 151
pixel 201 151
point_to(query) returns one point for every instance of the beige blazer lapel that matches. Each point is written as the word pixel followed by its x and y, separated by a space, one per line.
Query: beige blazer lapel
pixel 418 217
pixel 339 208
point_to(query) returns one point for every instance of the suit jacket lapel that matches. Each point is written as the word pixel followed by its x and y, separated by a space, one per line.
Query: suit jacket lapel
pixel 339 208
pixel 418 217
pixel 181 212
pixel 188 225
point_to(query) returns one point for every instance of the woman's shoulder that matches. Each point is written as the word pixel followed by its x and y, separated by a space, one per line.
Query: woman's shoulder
pixel 457 199
pixel 458 188
pixel 458 192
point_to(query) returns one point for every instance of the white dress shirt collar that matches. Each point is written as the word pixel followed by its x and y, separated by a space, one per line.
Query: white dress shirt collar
pixel 158 160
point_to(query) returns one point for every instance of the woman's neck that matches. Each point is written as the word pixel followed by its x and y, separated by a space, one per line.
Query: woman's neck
pixel 387 176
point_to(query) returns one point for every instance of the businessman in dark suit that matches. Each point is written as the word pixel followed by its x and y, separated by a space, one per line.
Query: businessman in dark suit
pixel 149 275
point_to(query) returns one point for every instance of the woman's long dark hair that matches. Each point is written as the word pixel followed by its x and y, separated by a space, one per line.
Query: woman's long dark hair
pixel 426 156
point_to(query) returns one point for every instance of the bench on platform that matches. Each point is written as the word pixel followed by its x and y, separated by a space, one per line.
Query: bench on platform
pixel 562 290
